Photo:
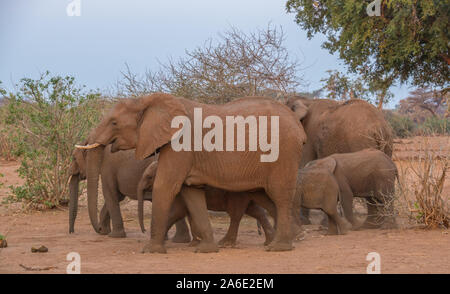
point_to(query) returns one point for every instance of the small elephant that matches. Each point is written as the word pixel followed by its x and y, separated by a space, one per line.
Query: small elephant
pixel 120 173
pixel 368 173
pixel 236 204
pixel 317 188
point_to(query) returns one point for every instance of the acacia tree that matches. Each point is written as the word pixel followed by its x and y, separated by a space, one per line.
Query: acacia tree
pixel 235 65
pixel 408 42
pixel 341 87
pixel 424 101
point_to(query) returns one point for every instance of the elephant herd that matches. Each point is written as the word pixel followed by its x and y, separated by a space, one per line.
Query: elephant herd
pixel 329 152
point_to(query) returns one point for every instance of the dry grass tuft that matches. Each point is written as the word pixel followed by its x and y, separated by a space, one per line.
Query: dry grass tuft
pixel 421 185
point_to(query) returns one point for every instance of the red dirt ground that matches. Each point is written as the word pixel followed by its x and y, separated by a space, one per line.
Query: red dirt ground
pixel 407 250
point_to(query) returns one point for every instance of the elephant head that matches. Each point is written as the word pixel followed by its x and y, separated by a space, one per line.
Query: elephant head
pixel 143 123
pixel 146 183
pixel 298 106
pixel 326 164
pixel 318 171
pixel 77 173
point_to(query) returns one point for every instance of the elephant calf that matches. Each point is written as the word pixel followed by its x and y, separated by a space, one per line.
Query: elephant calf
pixel 236 204
pixel 120 173
pixel 368 173
pixel 318 189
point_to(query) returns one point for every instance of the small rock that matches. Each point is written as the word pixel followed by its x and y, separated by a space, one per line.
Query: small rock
pixel 41 249
pixel 3 243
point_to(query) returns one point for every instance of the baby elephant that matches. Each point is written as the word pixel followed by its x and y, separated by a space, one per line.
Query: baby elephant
pixel 368 173
pixel 317 188
pixel 236 204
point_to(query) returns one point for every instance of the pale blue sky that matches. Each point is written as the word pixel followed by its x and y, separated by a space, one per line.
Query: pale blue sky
pixel 38 35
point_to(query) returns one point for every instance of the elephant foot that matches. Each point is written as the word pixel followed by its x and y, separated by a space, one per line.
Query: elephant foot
pixel 154 248
pixel 181 238
pixel 347 226
pixel 269 238
pixel 104 230
pixel 227 242
pixel 332 230
pixel 194 243
pixel 206 247
pixel 279 246
pixel 117 234
pixel 298 232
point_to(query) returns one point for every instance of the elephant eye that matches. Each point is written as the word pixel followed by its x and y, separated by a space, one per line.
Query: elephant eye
pixel 114 123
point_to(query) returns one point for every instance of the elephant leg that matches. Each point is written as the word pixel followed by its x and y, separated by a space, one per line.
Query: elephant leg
pixel 332 226
pixel 260 215
pixel 336 223
pixel 112 197
pixel 177 215
pixel 262 200
pixel 236 206
pixel 304 216
pixel 196 205
pixel 283 200
pixel 182 232
pixel 167 185
pixel 346 197
pixel 105 221
pixel 195 234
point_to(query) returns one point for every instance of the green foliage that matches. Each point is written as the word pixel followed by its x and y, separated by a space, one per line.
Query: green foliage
pixel 49 116
pixel 436 125
pixel 402 125
pixel 2 237
pixel 342 87
pixel 408 42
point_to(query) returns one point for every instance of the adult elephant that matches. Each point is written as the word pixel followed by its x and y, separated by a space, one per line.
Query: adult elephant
pixel 339 127
pixel 120 173
pixel 151 122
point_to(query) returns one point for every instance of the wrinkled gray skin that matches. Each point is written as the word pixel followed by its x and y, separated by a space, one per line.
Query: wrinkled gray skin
pixel 368 173
pixel 120 174
pixel 236 204
pixel 339 127
pixel 317 188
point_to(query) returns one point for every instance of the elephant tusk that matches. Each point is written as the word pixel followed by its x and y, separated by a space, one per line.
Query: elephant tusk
pixel 90 146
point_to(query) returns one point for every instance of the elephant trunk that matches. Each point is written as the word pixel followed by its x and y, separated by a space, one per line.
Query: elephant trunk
pixel 73 201
pixel 140 198
pixel 94 161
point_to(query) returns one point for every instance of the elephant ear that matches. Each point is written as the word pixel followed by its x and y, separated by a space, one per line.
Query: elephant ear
pixel 328 163
pixel 298 107
pixel 155 129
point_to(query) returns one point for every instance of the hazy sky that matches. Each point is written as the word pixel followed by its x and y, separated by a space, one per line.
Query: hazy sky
pixel 38 35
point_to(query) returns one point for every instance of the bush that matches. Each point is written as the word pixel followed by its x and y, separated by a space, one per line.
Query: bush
pixel 237 64
pixel 421 187
pixel 402 126
pixel 49 115
pixel 436 125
